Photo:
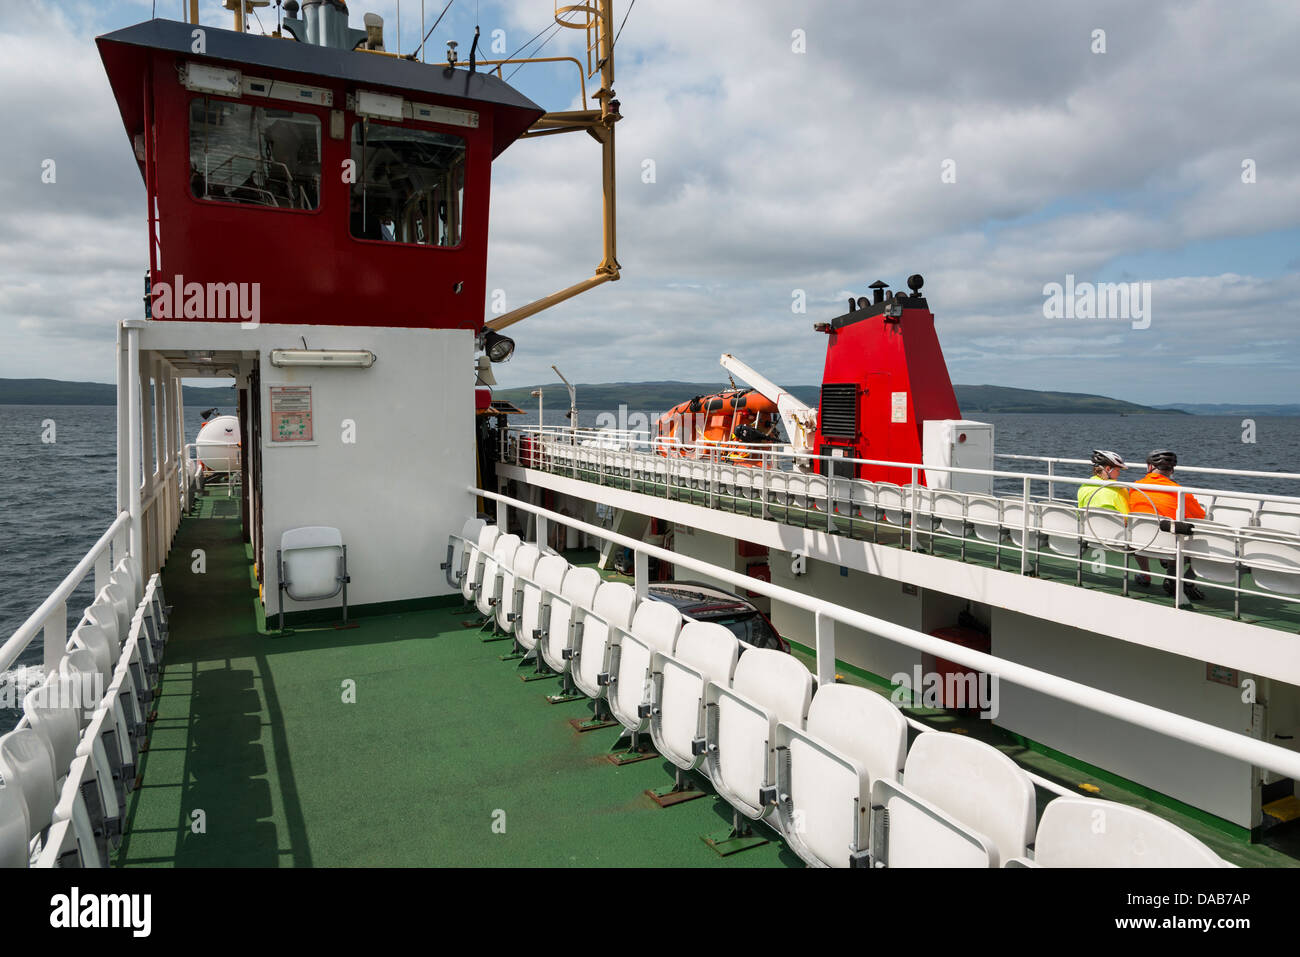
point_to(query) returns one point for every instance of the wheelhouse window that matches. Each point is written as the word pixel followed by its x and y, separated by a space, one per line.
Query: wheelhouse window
pixel 256 155
pixel 410 185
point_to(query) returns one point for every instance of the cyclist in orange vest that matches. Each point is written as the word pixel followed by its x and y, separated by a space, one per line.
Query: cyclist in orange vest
pixel 1160 466
pixel 1160 471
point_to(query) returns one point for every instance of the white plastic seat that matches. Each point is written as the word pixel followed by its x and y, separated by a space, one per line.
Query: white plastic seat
pixel 1013 520
pixel 575 597
pixel 1237 512
pixel 1147 538
pixel 655 627
pixel 103 615
pixel 769 687
pixel 950 511
pixel 131 703
pixel 26 760
pixel 503 554
pixel 796 486
pixel 313 566
pixel 547 580
pixel 130 567
pixel 890 499
pixel 1213 553
pixel 727 478
pixel 512 578
pixel 919 501
pixel 91 637
pixel 705 652
pixel 862 496
pixel 777 488
pixel 962 803
pixel 459 549
pixel 53 711
pixel 105 788
pixel 815 490
pixel 15 825
pixel 117 596
pixel 128 736
pixel 1280 517
pixel 852 737
pixel 137 660
pixel 1061 524
pixel 1085 832
pixel 1105 528
pixel 1274 565
pixel 82 666
pixel 478 556
pixel 71 838
pixel 611 615
pixel 985 514
pixel 94 696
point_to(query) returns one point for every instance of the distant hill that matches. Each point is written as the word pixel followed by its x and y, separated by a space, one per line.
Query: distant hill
pixel 657 397
pixel 1205 408
pixel 54 392
pixel 997 398
pixel 660 396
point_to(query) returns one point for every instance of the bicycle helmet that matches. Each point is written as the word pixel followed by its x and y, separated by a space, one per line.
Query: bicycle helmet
pixel 1104 459
pixel 1162 460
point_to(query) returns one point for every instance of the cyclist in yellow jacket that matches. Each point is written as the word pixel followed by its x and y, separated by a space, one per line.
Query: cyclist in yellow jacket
pixel 1107 466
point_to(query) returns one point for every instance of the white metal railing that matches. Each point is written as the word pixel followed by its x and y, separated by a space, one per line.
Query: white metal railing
pixel 827 615
pixel 772 479
pixel 51 618
pixel 1199 469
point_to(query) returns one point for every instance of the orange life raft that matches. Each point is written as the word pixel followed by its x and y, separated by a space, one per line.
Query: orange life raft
pixel 742 420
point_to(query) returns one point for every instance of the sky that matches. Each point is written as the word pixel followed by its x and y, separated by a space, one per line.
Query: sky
pixel 777 154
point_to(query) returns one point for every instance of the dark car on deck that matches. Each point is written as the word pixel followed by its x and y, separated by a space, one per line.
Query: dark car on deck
pixel 700 602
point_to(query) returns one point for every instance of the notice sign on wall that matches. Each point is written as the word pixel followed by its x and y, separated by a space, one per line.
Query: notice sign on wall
pixel 291 413
pixel 898 407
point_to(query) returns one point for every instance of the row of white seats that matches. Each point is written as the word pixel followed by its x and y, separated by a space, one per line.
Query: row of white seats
pixel 1240 535
pixel 66 770
pixel 828 768
pixel 894 501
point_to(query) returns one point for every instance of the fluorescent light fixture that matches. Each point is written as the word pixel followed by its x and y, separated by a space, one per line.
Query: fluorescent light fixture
pixel 441 114
pixel 320 358
pixel 290 92
pixel 211 79
pixel 379 106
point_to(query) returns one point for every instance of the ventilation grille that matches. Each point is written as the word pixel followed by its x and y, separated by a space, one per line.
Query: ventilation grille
pixel 839 415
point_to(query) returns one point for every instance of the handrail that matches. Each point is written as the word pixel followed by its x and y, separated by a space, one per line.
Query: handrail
pixel 563 452
pixel 57 599
pixel 839 461
pixel 1243 473
pixel 1199 733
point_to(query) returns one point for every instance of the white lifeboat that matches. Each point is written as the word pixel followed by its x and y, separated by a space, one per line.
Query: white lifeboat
pixel 217 445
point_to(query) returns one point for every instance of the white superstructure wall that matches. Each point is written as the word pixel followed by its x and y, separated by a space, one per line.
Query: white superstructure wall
pixel 1204 779
pixel 391 455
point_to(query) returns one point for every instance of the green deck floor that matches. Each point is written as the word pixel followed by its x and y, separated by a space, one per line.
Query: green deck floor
pixel 443 740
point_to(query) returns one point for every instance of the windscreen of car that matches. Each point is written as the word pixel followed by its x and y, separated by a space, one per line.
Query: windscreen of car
pixel 752 628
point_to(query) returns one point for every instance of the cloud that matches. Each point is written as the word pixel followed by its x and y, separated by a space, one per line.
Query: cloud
pixel 775 171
